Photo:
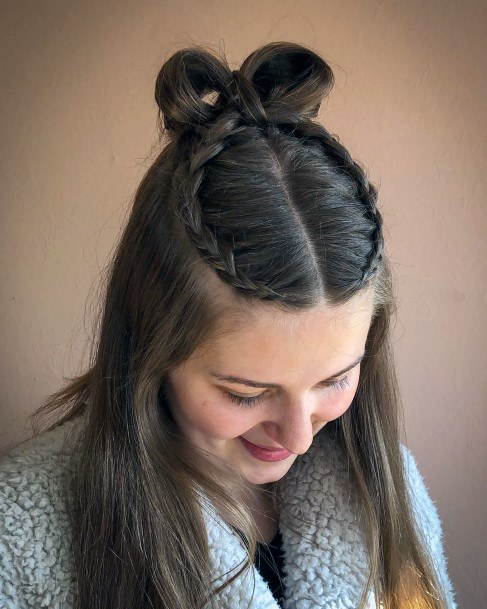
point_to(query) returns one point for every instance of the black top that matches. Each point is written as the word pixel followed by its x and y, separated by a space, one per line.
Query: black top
pixel 269 563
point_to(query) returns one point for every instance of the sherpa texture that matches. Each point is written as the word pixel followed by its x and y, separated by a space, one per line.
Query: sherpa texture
pixel 35 539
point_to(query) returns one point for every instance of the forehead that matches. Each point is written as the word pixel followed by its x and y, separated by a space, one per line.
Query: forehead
pixel 267 337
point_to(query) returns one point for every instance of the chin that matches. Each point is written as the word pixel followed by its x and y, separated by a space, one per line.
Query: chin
pixel 272 473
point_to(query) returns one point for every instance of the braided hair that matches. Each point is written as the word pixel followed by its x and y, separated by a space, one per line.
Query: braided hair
pixel 269 103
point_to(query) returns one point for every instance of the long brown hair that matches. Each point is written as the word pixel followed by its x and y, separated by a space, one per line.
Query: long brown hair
pixel 250 203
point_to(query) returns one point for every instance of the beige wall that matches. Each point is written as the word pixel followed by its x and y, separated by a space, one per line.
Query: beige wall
pixel 79 122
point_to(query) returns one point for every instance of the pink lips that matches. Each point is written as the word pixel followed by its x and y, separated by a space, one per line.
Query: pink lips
pixel 265 454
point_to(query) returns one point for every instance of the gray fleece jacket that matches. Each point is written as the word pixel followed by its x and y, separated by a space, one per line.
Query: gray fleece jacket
pixel 35 538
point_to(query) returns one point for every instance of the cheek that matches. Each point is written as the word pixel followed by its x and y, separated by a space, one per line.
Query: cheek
pixel 213 417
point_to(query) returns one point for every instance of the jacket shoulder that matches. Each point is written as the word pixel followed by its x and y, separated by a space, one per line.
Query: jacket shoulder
pixel 34 525
pixel 427 522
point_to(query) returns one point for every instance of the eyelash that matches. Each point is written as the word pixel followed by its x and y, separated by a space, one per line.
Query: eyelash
pixel 339 384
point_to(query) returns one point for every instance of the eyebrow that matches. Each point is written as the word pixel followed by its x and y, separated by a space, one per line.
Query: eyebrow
pixel 260 384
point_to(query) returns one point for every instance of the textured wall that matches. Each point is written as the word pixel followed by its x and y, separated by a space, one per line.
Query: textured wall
pixel 79 123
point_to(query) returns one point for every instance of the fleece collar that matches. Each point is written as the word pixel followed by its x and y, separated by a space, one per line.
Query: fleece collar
pixel 325 558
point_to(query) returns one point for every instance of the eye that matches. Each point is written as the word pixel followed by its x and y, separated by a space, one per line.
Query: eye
pixel 338 384
pixel 241 401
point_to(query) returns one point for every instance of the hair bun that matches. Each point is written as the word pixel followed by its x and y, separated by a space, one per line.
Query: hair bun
pixel 280 82
pixel 290 79
pixel 183 80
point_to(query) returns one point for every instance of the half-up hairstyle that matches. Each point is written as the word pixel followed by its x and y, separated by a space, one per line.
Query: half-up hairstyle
pixel 251 202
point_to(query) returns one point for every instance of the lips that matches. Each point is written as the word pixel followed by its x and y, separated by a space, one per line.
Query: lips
pixel 271 448
pixel 264 454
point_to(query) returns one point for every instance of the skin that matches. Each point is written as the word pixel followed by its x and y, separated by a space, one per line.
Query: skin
pixel 295 350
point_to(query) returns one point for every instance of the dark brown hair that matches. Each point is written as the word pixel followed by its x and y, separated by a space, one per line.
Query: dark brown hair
pixel 251 202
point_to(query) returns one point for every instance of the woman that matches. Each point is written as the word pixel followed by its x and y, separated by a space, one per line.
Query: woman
pixel 236 440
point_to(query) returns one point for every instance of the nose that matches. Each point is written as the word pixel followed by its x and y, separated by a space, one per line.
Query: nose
pixel 295 428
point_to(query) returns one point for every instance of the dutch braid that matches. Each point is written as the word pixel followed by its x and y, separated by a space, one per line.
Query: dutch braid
pixel 365 189
pixel 187 180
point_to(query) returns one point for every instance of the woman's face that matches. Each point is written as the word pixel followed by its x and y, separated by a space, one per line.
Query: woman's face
pixel 302 354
